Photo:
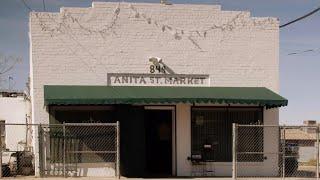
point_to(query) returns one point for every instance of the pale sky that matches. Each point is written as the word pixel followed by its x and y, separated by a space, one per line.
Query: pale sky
pixel 299 74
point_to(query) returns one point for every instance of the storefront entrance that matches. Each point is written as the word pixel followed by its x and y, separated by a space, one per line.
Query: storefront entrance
pixel 158 129
pixel 147 141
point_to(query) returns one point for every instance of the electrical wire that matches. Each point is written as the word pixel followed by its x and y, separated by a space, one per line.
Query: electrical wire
pixel 26 5
pixel 300 18
pixel 304 51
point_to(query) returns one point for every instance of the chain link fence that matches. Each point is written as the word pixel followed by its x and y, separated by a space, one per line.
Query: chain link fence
pixel 66 150
pixel 262 151
pixel 16 150
pixel 79 150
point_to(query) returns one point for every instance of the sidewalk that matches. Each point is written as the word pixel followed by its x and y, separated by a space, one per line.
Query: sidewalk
pixel 124 178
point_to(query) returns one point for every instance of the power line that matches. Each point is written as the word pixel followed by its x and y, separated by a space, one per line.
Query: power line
pixel 300 18
pixel 304 51
pixel 26 5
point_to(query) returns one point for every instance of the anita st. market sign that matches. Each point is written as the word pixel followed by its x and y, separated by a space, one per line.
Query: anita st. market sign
pixel 128 79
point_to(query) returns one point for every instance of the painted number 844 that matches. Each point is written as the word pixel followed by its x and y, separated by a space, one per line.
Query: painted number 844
pixel 157 69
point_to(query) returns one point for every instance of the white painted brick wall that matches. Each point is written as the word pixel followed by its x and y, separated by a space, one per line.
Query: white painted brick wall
pixel 69 47
pixel 79 46
pixel 14 110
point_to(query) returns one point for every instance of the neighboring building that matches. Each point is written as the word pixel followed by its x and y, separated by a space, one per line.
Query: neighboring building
pixel 300 137
pixel 175 76
pixel 305 139
pixel 302 140
pixel 310 123
pixel 15 109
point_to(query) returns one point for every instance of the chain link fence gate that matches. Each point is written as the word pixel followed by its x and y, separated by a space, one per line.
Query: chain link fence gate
pixel 79 150
pixel 264 151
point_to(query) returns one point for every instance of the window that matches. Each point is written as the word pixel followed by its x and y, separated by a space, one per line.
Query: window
pixel 3 133
pixel 82 141
pixel 212 132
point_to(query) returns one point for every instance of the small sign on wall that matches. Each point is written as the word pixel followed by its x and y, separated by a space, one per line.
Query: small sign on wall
pixel 130 79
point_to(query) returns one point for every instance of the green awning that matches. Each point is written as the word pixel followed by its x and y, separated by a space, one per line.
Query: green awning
pixel 99 95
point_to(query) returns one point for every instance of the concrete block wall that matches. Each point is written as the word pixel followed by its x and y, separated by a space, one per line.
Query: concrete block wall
pixel 79 46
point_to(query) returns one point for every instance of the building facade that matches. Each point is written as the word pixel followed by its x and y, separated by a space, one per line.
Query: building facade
pixel 175 76
pixel 15 109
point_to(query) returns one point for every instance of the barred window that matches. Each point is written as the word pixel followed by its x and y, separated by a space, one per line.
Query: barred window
pixel 212 132
pixel 3 133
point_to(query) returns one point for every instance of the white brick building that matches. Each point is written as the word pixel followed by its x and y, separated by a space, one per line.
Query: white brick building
pixel 96 45
pixel 15 109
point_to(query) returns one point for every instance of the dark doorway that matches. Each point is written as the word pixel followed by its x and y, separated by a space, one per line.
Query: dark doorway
pixel 132 140
pixel 158 128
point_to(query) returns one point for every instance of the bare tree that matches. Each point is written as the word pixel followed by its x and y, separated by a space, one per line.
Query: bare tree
pixel 7 64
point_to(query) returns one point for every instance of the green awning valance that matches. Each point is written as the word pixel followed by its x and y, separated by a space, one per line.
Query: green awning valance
pixel 98 95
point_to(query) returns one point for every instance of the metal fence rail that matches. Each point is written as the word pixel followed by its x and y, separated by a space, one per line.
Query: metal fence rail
pixel 264 151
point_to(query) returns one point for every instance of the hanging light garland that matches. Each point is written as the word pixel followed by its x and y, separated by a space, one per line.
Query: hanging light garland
pixel 177 33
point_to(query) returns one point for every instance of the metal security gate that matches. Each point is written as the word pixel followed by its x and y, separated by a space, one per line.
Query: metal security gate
pixel 79 149
pixel 264 151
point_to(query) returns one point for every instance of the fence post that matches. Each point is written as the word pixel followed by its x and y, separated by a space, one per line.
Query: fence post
pixel 317 145
pixel 118 149
pixel 40 151
pixel 64 149
pixel 234 151
pixel 284 153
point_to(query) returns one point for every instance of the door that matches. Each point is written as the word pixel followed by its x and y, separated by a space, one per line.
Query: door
pixel 158 130
pixel 132 140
